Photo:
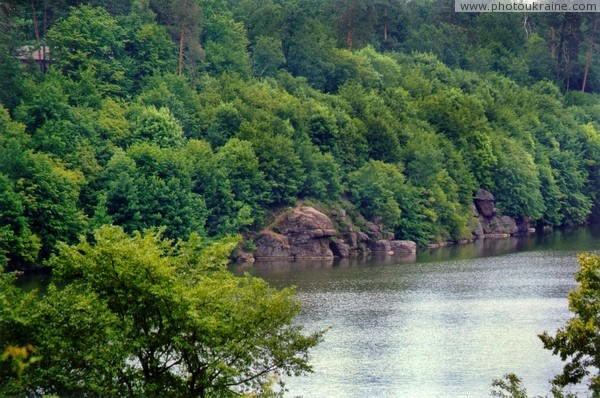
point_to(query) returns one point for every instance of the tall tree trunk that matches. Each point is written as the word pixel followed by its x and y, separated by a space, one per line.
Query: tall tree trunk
pixel 36 31
pixel 588 57
pixel 568 71
pixel 349 38
pixel 561 51
pixel 184 18
pixel 44 26
pixel 526 26
pixel 349 14
pixel 350 33
pixel 44 19
pixel 553 48
pixel 181 45
pixel 385 23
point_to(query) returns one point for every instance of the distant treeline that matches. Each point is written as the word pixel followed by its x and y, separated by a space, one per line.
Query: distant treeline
pixel 206 116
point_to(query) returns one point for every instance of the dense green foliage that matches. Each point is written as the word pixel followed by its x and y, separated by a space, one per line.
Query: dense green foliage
pixel 202 117
pixel 205 116
pixel 141 316
pixel 508 387
pixel 577 342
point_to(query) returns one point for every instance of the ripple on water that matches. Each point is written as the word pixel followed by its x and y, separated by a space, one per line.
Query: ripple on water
pixel 435 328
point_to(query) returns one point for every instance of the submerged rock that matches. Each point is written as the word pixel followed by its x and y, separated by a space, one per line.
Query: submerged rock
pixel 403 246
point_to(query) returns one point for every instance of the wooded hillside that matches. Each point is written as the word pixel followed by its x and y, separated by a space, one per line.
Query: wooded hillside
pixel 207 116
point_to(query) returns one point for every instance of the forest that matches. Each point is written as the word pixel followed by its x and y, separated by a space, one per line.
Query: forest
pixel 142 141
pixel 208 116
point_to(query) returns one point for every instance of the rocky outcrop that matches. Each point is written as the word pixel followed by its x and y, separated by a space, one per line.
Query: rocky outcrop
pixel 358 243
pixel 393 246
pixel 305 232
pixel 490 225
pixel 374 231
pixel 244 258
pixel 499 225
pixel 524 226
pixel 352 243
pixel 403 246
pixel 306 221
pixel 270 244
pixel 308 232
pixel 485 203
pixel 380 245
pixel 340 248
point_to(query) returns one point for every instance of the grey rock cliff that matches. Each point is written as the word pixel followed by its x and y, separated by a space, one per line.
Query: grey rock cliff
pixel 484 202
pixel 303 232
pixel 499 225
pixel 487 223
pixel 270 244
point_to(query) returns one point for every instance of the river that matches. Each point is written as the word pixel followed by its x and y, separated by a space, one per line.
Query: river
pixel 442 325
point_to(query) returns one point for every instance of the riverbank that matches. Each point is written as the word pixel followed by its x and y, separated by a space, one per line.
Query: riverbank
pixel 443 325
pixel 574 240
pixel 307 232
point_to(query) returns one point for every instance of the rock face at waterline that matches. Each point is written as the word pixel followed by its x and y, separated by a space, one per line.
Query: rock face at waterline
pixel 403 246
pixel 308 232
pixel 270 244
pixel 499 225
pixel 489 224
pixel 305 232
pixel 485 203
pixel 393 246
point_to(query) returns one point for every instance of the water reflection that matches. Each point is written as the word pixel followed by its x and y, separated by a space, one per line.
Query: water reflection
pixel 275 266
pixel 443 324
pixel 574 239
pixel 478 248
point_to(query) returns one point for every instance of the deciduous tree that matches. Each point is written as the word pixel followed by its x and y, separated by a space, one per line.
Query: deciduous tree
pixel 143 316
pixel 577 343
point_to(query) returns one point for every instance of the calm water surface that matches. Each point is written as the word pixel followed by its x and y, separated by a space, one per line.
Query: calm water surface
pixel 441 325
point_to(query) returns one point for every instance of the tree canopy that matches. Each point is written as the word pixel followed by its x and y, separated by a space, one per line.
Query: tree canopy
pixel 576 343
pixel 145 316
pixel 202 118
pixel 206 116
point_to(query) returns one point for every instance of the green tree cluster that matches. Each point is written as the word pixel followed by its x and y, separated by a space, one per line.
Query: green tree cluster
pixel 577 342
pixel 141 316
pixel 208 120
pixel 203 117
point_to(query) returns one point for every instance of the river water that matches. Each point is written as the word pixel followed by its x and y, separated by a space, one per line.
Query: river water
pixel 442 325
